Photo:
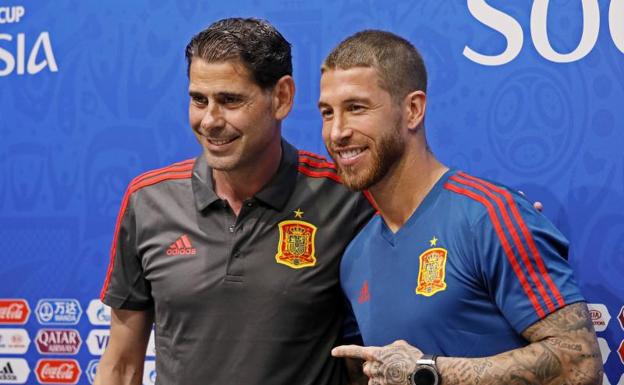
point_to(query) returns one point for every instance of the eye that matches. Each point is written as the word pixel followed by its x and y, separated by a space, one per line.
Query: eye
pixel 230 100
pixel 356 108
pixel 199 100
pixel 326 113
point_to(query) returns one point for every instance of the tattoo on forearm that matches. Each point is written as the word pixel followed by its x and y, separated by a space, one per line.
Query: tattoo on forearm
pixel 563 350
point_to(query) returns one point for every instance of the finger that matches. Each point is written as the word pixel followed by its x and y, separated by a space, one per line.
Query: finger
pixel 354 351
pixel 371 368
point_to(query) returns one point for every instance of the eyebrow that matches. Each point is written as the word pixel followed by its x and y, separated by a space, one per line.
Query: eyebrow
pixel 322 104
pixel 220 94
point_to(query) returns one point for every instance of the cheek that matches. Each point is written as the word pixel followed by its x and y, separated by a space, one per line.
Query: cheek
pixel 195 116
pixel 325 132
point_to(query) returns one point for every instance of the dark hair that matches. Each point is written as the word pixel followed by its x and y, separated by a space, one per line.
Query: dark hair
pixel 400 67
pixel 256 43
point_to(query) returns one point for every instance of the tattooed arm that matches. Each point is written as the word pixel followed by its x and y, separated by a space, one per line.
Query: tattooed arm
pixel 562 350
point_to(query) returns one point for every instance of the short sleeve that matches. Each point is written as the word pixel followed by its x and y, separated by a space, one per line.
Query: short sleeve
pixel 523 259
pixel 125 286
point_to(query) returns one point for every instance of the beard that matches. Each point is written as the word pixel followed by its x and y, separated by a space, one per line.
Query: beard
pixel 385 152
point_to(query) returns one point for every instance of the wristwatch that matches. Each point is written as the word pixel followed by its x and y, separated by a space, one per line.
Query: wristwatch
pixel 426 372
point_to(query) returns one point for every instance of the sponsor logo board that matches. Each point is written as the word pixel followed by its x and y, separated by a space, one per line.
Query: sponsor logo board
pixel 13 371
pixel 58 341
pixel 14 341
pixel 604 349
pixel 97 341
pixel 149 373
pixel 151 345
pixel 91 370
pixel 57 371
pixel 599 315
pixel 58 311
pixel 14 311
pixel 98 313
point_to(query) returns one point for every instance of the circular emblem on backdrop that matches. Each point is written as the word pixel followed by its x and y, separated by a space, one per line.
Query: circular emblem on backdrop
pixel 534 123
pixel 46 312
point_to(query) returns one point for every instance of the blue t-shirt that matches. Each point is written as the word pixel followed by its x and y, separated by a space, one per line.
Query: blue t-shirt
pixel 470 270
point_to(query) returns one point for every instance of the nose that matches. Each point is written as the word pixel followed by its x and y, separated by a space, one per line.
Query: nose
pixel 213 118
pixel 339 130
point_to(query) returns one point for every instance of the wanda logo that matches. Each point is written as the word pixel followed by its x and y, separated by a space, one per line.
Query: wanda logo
pixel 13 311
pixel 56 371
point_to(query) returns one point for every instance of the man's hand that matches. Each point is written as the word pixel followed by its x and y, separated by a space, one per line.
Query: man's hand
pixel 387 365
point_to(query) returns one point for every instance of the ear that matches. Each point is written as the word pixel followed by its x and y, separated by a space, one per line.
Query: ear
pixel 283 96
pixel 415 105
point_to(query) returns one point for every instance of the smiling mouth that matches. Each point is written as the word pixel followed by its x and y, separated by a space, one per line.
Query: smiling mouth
pixel 221 142
pixel 350 154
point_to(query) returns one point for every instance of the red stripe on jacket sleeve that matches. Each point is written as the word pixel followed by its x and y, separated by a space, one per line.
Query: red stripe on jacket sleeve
pixel 505 243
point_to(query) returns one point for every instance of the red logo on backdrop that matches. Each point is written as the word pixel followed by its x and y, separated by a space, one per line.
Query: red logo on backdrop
pixel 55 371
pixel 595 314
pixel 13 311
pixel 58 341
pixel 621 351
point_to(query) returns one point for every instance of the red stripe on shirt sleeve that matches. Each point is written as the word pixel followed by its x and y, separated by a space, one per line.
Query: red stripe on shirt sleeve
pixel 319 164
pixel 504 242
pixel 514 235
pixel 134 187
pixel 312 155
pixel 319 174
pixel 528 237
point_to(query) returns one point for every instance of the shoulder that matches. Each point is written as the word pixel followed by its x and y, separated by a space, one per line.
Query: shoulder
pixel 175 171
pixel 480 198
pixel 321 172
pixel 366 237
pixel 316 166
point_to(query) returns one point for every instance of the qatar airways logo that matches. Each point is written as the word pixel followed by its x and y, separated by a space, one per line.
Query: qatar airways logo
pixel 58 341
pixel 23 53
pixel 511 29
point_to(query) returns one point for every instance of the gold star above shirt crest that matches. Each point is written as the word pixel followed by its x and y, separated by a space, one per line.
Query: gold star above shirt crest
pixel 298 213
pixel 433 241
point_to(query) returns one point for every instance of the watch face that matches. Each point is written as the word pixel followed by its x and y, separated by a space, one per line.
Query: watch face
pixel 425 375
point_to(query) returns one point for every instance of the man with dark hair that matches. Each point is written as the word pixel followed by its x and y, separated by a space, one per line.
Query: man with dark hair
pixel 231 254
pixel 454 266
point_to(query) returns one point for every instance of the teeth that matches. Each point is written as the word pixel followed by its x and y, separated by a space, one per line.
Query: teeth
pixel 220 142
pixel 350 153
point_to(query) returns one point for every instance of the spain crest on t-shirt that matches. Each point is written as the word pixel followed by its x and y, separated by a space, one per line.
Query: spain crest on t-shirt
pixel 432 271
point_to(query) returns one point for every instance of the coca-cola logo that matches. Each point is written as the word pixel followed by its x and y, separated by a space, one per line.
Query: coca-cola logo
pixel 56 371
pixel 58 341
pixel 14 311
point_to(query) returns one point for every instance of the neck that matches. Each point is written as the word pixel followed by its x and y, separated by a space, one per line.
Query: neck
pixel 236 186
pixel 406 185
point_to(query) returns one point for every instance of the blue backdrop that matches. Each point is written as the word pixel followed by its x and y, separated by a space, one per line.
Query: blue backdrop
pixel 530 93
